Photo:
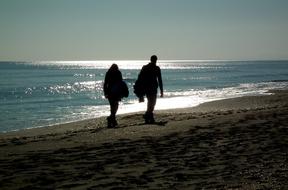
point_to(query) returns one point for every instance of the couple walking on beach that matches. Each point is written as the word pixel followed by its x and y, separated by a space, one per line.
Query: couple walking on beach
pixel 149 79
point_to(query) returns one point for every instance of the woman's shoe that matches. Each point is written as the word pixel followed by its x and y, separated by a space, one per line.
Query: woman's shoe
pixel 111 121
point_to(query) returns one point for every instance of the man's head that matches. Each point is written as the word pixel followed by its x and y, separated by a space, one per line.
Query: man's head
pixel 153 59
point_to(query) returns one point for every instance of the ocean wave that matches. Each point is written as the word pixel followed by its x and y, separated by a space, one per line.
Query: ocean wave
pixel 278 81
pixel 77 87
pixel 238 90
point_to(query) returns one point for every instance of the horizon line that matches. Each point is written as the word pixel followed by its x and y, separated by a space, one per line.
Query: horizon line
pixel 159 60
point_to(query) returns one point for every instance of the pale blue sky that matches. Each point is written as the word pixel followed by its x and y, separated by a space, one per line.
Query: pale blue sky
pixel 136 29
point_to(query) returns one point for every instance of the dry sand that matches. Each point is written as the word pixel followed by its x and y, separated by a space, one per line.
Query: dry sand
pixel 239 143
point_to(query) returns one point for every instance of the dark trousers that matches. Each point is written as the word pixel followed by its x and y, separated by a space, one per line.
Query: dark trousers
pixel 151 102
pixel 113 107
pixel 113 110
pixel 151 98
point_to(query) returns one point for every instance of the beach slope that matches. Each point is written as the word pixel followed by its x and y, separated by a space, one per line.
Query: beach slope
pixel 239 143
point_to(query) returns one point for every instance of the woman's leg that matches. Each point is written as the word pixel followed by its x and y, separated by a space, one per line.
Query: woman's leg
pixel 113 110
pixel 113 107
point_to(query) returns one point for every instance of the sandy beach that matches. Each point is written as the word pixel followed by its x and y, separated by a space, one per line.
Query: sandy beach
pixel 239 143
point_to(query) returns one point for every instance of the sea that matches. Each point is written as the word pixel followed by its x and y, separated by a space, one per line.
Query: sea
pixel 44 93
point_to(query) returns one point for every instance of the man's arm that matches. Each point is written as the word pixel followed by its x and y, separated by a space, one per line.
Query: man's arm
pixel 159 77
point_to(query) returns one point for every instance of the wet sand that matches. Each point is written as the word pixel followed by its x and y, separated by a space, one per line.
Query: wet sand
pixel 239 143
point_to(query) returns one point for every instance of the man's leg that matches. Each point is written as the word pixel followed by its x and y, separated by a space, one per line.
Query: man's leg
pixel 151 102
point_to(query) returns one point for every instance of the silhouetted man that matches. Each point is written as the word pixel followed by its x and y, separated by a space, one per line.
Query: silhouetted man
pixel 150 78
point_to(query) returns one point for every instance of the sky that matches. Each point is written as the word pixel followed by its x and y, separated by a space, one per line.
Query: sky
pixel 32 30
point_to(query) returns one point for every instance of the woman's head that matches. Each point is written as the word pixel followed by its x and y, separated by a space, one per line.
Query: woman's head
pixel 114 67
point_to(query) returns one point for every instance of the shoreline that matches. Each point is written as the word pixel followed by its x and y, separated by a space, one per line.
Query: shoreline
pixel 238 143
pixel 47 116
pixel 205 105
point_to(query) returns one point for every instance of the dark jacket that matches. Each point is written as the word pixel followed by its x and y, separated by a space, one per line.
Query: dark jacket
pixel 150 77
pixel 112 78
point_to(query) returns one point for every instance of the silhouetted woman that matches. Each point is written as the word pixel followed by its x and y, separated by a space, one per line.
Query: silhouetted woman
pixel 113 91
